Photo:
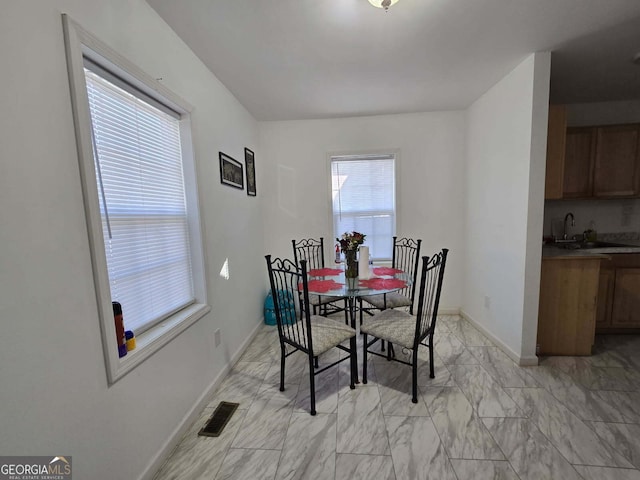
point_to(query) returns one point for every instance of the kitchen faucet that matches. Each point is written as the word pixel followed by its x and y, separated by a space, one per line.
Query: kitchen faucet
pixel 573 224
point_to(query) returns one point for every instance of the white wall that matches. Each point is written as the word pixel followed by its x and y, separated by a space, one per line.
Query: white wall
pixel 54 397
pixel 504 204
pixel 611 215
pixel 430 180
pixel 535 211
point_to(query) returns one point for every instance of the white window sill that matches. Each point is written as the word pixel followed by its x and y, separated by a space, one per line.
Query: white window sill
pixel 155 338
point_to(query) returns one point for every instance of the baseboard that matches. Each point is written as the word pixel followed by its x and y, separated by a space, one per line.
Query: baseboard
pixel 448 311
pixel 522 361
pixel 160 457
pixel 528 361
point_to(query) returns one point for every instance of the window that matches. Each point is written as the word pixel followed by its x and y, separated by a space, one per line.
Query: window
pixel 138 165
pixel 363 199
pixel 140 197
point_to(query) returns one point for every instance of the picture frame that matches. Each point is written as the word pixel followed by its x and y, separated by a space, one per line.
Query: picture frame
pixel 249 160
pixel 231 171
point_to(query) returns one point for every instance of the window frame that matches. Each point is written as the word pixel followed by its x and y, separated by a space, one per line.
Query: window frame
pixel 80 44
pixel 395 152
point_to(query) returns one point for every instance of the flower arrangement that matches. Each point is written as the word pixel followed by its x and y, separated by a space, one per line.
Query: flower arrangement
pixel 350 241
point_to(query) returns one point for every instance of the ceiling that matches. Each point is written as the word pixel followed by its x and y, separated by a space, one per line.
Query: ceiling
pixel 302 59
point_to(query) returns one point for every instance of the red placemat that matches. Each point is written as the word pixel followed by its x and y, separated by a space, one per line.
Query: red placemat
pixel 382 283
pixel 325 272
pixel 322 285
pixel 386 271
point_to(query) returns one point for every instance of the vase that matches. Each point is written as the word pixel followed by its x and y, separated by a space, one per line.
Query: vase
pixel 351 267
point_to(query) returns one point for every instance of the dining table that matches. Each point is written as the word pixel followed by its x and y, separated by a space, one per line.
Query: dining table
pixel 332 282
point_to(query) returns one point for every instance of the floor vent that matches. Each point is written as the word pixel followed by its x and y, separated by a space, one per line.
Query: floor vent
pixel 219 419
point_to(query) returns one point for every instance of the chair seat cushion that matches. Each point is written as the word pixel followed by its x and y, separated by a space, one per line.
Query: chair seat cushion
pixel 393 300
pixel 327 333
pixel 323 299
pixel 395 326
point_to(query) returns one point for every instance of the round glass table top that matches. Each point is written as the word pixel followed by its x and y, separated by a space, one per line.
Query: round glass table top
pixel 331 282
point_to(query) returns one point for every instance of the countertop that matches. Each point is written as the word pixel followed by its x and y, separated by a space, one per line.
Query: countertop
pixel 556 252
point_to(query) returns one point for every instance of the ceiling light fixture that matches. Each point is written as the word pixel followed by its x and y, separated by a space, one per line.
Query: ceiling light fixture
pixel 383 3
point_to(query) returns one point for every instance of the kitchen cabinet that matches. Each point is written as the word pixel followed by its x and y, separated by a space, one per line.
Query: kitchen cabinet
pixel 605 296
pixel 626 299
pixel 578 162
pixel 616 162
pixel 618 308
pixel 567 308
pixel 591 162
pixel 556 138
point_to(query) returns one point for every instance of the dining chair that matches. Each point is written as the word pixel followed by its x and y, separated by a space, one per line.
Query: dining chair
pixel 312 251
pixel 406 330
pixel 406 257
pixel 298 330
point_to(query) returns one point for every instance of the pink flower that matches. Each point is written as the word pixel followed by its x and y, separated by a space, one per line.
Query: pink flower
pixel 350 241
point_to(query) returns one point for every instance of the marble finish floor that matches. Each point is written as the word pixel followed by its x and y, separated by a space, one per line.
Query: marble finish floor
pixel 482 417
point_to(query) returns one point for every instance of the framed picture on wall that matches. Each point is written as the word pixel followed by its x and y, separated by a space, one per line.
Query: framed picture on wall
pixel 249 161
pixel 231 172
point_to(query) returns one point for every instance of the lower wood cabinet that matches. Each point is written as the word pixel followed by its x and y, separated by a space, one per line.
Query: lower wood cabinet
pixel 626 299
pixel 567 308
pixel 619 295
pixel 605 296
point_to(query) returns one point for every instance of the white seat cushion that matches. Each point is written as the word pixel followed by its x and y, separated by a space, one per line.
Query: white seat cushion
pixel 395 326
pixel 393 300
pixel 327 333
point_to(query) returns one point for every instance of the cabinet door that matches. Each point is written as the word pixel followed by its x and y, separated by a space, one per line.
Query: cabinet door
pixel 556 139
pixel 578 162
pixel 616 162
pixel 605 297
pixel 567 308
pixel 626 299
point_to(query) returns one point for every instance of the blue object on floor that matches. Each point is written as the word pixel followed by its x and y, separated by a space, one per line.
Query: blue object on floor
pixel 287 305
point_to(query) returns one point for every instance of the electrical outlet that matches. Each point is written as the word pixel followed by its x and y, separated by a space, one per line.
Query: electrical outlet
pixel 216 337
pixel 627 212
pixel 487 301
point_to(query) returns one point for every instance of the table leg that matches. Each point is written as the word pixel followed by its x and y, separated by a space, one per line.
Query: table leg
pixel 353 344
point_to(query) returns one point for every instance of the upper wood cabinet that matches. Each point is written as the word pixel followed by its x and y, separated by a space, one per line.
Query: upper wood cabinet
pixel 616 162
pixel 556 135
pixel 578 162
pixel 588 162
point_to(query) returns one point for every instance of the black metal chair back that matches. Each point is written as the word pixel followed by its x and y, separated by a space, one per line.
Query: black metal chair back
pixel 293 320
pixel 310 250
pixel 429 296
pixel 406 257
pixel 290 292
pixel 410 331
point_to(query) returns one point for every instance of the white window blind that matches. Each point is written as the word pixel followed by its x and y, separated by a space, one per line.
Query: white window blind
pixel 363 194
pixel 138 162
